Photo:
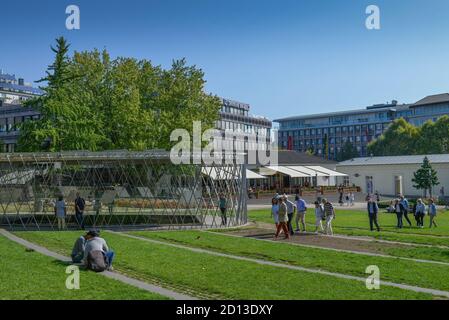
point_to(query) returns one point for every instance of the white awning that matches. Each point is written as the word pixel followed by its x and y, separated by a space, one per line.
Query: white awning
pixel 309 172
pixel 219 173
pixel 269 171
pixel 328 172
pixel 252 175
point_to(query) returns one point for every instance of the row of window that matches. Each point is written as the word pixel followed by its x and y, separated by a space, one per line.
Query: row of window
pixel 333 151
pixel 331 141
pixel 359 129
pixel 242 127
pixel 234 110
pixel 12 123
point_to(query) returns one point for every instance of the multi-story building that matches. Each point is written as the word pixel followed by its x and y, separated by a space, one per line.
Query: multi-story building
pixel 325 134
pixel 235 116
pixel 13 93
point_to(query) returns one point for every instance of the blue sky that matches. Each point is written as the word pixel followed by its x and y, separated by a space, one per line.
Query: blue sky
pixel 284 57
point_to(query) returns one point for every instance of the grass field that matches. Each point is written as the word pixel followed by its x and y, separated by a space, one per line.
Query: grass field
pixel 30 275
pixel 208 276
pixel 355 223
pixel 395 270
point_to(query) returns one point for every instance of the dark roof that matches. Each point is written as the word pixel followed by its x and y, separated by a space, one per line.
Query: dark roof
pixel 287 157
pixel 434 99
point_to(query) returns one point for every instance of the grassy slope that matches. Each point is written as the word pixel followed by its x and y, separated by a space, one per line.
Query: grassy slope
pixel 220 277
pixel 30 275
pixel 355 223
pixel 394 270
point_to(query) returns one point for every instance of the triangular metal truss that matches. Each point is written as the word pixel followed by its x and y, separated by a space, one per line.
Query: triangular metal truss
pixel 122 190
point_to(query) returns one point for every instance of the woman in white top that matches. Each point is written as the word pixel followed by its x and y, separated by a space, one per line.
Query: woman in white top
pixel 275 211
pixel 60 212
pixel 319 214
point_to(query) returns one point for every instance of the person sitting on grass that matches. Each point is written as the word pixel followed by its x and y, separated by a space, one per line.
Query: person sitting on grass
pixel 78 249
pixel 97 256
pixel 432 213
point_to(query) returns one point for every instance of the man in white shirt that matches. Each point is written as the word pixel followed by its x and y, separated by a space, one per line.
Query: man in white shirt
pixel 95 243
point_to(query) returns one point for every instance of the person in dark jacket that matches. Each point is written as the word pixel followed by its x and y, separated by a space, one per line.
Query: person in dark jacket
pixel 373 210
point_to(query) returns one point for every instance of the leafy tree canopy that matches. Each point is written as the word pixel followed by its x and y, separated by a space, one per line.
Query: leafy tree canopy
pixel 348 151
pixel 91 102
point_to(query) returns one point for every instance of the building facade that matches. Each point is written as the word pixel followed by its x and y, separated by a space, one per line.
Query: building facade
pixel 13 93
pixel 235 117
pixel 325 134
pixel 393 175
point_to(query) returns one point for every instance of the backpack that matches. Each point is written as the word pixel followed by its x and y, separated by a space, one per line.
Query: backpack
pixel 96 261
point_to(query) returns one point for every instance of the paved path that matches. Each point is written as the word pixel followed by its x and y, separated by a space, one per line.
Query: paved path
pixel 367 238
pixel 113 275
pixel 364 253
pixel 280 265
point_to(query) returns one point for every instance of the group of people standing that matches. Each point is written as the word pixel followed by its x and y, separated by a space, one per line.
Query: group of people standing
pixel 402 208
pixel 60 207
pixel 283 211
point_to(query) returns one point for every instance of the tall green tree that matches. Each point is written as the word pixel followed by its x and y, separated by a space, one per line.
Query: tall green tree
pixel 94 103
pixel 425 177
pixel 399 139
pixel 348 151
pixel 65 119
pixel 434 137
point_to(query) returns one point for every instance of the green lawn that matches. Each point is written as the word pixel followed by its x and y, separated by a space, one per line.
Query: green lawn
pixel 395 270
pixel 355 223
pixel 208 276
pixel 30 275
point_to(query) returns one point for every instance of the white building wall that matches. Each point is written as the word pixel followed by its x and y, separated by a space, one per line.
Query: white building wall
pixel 384 177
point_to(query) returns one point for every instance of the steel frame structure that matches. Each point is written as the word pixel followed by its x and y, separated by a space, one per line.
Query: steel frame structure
pixel 122 190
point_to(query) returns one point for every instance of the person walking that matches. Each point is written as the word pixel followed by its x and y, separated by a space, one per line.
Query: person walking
pixel 398 211
pixel 351 198
pixel 291 209
pixel 340 197
pixel 319 215
pixel 301 208
pixel 223 207
pixel 80 204
pixel 420 212
pixel 405 209
pixel 275 211
pixel 432 213
pixel 373 210
pixel 60 212
pixel 283 220
pixel 329 214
